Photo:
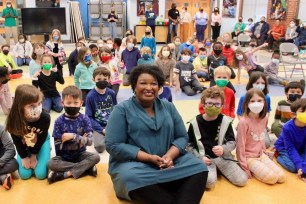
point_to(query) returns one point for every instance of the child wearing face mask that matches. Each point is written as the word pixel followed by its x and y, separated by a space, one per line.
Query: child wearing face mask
pixel 55 48
pixel 208 46
pixel 100 102
pixel 227 49
pixel 271 70
pixel 38 51
pixel 118 48
pixel 95 53
pixel 166 63
pixel 293 91
pixel 7 60
pixel 251 149
pixel 28 126
pixel 114 66
pixel 222 76
pixel 100 43
pixel 188 45
pixel 23 50
pixel 146 56
pixel 83 72
pixel 73 58
pixel 212 140
pixel 177 43
pixel 200 64
pixel 215 60
pixel 5 94
pixel 72 133
pixel 130 57
pixel 127 34
pixel 46 80
pixel 110 45
pixel 186 76
pixel 291 145
pixel 148 40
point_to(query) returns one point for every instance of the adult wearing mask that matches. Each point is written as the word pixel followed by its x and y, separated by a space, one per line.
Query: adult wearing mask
pixel 150 18
pixel 276 32
pixel 185 22
pixel 10 26
pixel 112 20
pixel 174 18
pixel 301 39
pixel 216 20
pixel 249 26
pixel 291 33
pixel 239 27
pixel 201 19
pixel 260 30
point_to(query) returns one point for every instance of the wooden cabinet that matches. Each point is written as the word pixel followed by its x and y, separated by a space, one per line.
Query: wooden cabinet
pixel 161 32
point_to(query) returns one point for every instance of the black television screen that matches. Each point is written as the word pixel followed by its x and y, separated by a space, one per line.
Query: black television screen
pixel 41 21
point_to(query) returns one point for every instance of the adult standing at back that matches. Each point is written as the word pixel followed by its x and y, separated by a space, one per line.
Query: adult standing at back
pixel 112 20
pixel 216 20
pixel 10 27
pixel 185 22
pixel 150 18
pixel 201 19
pixel 260 30
pixel 174 18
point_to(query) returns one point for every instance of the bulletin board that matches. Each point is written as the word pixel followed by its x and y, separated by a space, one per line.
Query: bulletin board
pixel 142 6
pixel 192 7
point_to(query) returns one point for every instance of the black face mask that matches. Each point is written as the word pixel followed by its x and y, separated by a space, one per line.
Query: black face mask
pixel 262 21
pixel 5 52
pixel 5 81
pixel 227 46
pixel 252 45
pixel 294 97
pixel 217 52
pixel 72 111
pixel 240 20
pixel 102 84
pixel 201 10
pixel 147 33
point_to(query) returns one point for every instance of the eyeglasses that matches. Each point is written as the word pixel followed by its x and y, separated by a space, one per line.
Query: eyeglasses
pixel 210 104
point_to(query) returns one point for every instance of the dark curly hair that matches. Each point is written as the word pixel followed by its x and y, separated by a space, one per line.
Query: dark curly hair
pixel 153 70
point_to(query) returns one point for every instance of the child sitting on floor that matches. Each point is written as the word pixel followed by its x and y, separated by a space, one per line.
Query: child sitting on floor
pixel 5 94
pixel 72 133
pixel 7 60
pixel 293 91
pixel 212 140
pixel 146 56
pixel 200 64
pixel 291 144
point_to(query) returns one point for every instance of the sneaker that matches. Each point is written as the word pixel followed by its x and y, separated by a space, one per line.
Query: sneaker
pixel 92 171
pixel 7 182
pixel 55 176
pixel 302 81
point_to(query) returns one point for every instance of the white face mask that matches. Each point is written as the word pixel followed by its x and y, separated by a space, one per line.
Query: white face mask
pixel 239 57
pixel 166 53
pixel 259 86
pixel 256 107
pixel 100 45
pixel 188 43
pixel 186 58
pixel 275 61
pixel 32 114
pixel 110 46
pixel 21 40
pixel 39 51
pixel 130 46
pixel 292 25
pixel 78 48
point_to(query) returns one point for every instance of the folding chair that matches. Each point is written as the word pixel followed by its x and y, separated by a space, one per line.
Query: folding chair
pixel 289 57
pixel 243 38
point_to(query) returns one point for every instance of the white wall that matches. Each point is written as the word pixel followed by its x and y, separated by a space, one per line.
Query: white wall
pixel 229 23
pixel 132 17
pixel 64 3
pixel 254 9
pixel 302 9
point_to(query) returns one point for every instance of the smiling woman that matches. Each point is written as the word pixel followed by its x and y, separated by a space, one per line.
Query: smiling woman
pixel 146 139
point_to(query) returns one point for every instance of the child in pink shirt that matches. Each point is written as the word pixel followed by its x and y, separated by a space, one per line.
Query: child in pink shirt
pixel 251 149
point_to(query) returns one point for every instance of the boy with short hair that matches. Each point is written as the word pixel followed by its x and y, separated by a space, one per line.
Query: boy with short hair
pixel 222 75
pixel 200 64
pixel 73 57
pixel 212 140
pixel 118 48
pixel 100 102
pixel 72 133
pixel 187 78
pixel 95 53
pixel 293 91
pixel 146 56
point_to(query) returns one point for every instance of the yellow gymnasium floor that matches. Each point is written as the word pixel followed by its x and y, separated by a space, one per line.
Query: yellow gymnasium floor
pixel 100 189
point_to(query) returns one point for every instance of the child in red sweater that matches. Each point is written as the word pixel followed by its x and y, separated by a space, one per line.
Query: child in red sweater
pixel 222 75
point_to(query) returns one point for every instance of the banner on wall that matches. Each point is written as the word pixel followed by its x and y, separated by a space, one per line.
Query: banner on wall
pixel 278 9
pixel 229 8
pixel 145 5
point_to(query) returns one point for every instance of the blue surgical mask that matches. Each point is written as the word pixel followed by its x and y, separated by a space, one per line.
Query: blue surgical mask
pixel 202 57
pixel 208 44
pixel 55 38
pixel 146 56
pixel 87 58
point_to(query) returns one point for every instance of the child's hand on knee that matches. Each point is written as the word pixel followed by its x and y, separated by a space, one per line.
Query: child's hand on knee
pixel 33 161
pixel 26 162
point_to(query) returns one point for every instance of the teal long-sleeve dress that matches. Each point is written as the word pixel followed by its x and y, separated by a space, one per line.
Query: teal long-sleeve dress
pixel 130 130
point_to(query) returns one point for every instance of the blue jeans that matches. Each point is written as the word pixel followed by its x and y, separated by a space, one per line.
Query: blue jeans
pixel 112 29
pixel 200 32
pixel 202 74
pixel 54 103
pixel 171 28
pixel 284 160
pixel 23 61
pixel 41 169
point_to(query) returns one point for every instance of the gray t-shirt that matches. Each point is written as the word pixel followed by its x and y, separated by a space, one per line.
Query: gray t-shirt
pixel 258 28
pixel 185 72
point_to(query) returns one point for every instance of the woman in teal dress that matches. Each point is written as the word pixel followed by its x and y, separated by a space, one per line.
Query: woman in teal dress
pixel 146 139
